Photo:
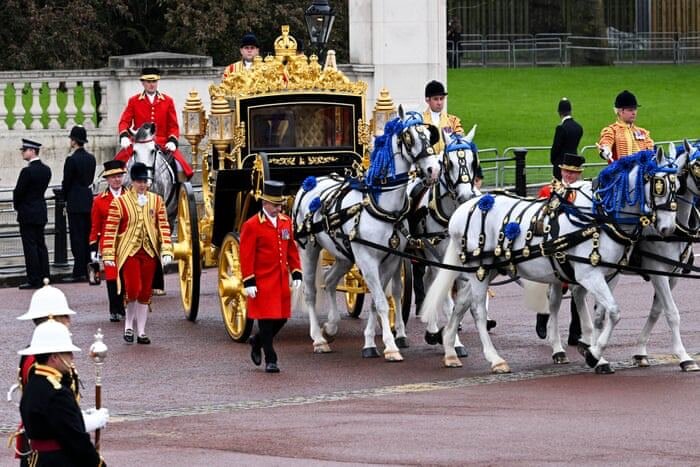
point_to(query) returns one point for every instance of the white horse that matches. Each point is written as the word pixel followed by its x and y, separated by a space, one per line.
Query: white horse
pixel 658 255
pixel 160 167
pixel 551 241
pixel 432 211
pixel 335 213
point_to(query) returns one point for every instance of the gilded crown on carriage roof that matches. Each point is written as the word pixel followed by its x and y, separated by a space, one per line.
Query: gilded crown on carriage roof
pixel 287 71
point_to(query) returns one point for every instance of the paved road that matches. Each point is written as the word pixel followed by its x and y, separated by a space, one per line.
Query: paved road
pixel 194 398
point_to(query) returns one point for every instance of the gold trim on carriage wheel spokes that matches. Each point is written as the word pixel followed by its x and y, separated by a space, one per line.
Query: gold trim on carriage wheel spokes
pixel 187 252
pixel 232 299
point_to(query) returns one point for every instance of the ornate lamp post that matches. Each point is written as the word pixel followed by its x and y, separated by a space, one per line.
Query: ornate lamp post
pixel 384 111
pixel 195 123
pixel 319 22
pixel 98 353
pixel 221 127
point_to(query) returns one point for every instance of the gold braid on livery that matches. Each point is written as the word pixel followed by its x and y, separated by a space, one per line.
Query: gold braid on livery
pixel 130 227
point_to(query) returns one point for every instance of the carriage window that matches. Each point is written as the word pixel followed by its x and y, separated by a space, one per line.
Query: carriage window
pixel 300 126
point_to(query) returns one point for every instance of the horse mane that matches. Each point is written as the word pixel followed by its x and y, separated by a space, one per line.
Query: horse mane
pixel 613 192
pixel 143 134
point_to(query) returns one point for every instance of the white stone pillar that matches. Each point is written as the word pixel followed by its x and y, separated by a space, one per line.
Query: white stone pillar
pixel 406 43
pixel 70 109
pixel 88 108
pixel 3 109
pixel 36 110
pixel 18 109
pixel 53 110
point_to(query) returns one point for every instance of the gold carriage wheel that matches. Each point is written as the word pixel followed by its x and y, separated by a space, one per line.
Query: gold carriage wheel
pixel 232 300
pixel 187 251
pixel 354 299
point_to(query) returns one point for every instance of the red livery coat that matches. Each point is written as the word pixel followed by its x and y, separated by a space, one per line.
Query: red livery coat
pixel 140 110
pixel 268 256
pixel 100 209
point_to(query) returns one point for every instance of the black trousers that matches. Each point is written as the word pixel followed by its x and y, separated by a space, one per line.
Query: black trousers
pixel 36 255
pixel 79 224
pixel 116 301
pixel 418 286
pixel 267 330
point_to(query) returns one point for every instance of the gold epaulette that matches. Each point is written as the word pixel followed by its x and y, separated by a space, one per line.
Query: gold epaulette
pixel 284 217
pixel 52 374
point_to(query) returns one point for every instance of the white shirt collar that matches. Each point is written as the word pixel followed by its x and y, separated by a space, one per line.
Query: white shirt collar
pixel 435 117
pixel 272 219
pixel 566 117
pixel 117 193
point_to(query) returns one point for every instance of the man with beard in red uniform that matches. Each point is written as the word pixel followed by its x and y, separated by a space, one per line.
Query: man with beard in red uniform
pixel 152 105
pixel 114 174
pixel 268 256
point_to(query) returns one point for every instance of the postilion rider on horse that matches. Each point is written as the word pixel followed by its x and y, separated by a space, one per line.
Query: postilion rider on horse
pixel 151 105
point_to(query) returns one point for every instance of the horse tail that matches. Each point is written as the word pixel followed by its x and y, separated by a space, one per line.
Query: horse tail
pixel 441 286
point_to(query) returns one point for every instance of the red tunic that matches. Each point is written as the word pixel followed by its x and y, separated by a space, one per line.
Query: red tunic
pixel 100 209
pixel 140 110
pixel 268 256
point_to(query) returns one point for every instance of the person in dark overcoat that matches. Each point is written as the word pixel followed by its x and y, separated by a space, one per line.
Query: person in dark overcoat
pixel 50 413
pixel 567 136
pixel 78 175
pixel 29 202
pixel 268 257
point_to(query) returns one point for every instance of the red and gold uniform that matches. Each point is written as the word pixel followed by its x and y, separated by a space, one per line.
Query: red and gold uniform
pixel 134 239
pixel 268 255
pixel 100 210
pixel 624 139
pixel 233 68
pixel 161 111
pixel 446 121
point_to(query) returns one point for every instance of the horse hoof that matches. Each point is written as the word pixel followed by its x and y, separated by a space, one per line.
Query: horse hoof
pixel 461 351
pixel 433 338
pixel 490 324
pixel 329 338
pixel 582 347
pixel 689 365
pixel 560 358
pixel 591 361
pixel 393 356
pixel 500 368
pixel 370 352
pixel 322 348
pixel 642 361
pixel 604 369
pixel 452 362
pixel 401 342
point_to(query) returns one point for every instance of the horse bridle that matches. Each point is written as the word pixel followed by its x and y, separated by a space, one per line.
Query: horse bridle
pixel 406 141
pixel 659 186
pixel 463 176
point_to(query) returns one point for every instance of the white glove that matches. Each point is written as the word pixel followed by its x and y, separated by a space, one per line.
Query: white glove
pixel 110 264
pixel 251 291
pixel 95 419
pixel 124 142
pixel 166 259
pixel 94 256
pixel 170 146
pixel 296 283
pixel 605 153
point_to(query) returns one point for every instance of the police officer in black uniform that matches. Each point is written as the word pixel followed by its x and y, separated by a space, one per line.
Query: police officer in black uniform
pixel 52 419
pixel 78 175
pixel 566 137
pixel 28 200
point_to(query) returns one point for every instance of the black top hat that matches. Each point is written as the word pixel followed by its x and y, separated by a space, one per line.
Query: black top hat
pixel 78 134
pixel 113 167
pixel 564 106
pixel 435 88
pixel 572 162
pixel 150 74
pixel 249 39
pixel 139 171
pixel 626 100
pixel 273 191
pixel 29 144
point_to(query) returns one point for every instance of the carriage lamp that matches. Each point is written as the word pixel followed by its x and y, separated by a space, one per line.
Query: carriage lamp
pixel 220 126
pixel 319 21
pixel 194 122
pixel 384 110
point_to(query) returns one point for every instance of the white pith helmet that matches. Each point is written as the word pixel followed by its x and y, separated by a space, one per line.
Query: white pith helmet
pixel 46 302
pixel 50 337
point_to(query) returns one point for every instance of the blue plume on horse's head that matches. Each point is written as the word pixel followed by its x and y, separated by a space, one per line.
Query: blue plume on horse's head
pixel 382 158
pixel 458 142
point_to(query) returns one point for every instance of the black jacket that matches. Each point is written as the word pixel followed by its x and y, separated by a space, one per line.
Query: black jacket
pixel 49 412
pixel 78 175
pixel 28 195
pixel 566 138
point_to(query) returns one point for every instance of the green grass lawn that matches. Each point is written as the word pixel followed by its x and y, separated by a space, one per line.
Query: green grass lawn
pixel 517 106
